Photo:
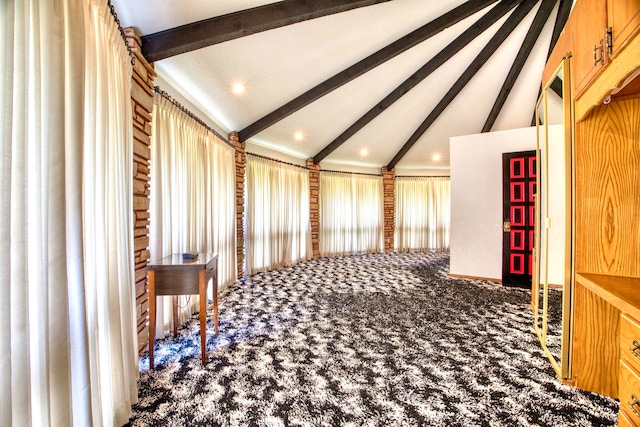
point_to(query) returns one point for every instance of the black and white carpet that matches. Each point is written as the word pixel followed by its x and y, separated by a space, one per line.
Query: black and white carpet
pixel 368 340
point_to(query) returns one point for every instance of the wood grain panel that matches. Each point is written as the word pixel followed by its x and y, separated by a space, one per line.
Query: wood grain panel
pixel 608 189
pixel 596 343
pixel 624 19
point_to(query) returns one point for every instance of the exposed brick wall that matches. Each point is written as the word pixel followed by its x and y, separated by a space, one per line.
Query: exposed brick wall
pixel 389 206
pixel 241 161
pixel 314 206
pixel 142 105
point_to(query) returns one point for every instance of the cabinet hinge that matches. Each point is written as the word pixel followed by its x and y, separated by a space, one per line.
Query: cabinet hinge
pixel 609 39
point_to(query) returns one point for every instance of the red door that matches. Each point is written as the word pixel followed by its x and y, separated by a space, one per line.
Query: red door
pixel 519 189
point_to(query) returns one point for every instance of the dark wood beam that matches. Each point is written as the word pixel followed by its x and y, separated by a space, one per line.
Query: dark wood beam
pixel 556 86
pixel 501 35
pixel 443 56
pixel 197 35
pixel 564 9
pixel 406 42
pixel 541 18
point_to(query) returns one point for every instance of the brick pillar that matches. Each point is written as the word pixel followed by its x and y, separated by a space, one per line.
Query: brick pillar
pixel 314 206
pixel 241 161
pixel 389 206
pixel 142 105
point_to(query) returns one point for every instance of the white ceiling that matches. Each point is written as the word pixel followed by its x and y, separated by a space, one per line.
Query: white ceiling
pixel 278 65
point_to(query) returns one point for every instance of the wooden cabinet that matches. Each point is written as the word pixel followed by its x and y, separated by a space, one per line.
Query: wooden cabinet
pixel 591 47
pixel 587 28
pixel 594 79
pixel 630 342
pixel 629 393
pixel 606 347
pixel 624 19
pixel 629 374
pixel 607 235
pixel 605 341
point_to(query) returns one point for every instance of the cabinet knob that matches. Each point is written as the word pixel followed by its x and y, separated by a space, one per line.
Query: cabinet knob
pixel 636 349
pixel 635 404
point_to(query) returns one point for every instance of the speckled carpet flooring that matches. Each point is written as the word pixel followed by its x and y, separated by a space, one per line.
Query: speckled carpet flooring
pixel 366 340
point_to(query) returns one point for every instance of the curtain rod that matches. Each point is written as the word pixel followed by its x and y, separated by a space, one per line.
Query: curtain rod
pixel 304 167
pixel 350 173
pixel 122 34
pixel 276 160
pixel 188 112
pixel 423 176
pixel 347 173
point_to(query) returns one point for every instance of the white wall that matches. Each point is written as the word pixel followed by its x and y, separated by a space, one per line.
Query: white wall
pixel 476 198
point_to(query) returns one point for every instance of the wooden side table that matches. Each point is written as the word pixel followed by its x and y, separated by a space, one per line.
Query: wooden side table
pixel 173 275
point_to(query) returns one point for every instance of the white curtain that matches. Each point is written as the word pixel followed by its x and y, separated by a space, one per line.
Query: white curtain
pixel 192 200
pixel 277 213
pixel 423 213
pixel 66 239
pixel 351 215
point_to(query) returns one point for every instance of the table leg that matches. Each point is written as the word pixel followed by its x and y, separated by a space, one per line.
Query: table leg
pixel 203 314
pixel 215 301
pixel 175 315
pixel 152 316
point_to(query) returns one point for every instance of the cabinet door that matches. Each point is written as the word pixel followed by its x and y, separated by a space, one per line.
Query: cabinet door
pixel 624 20
pixel 588 26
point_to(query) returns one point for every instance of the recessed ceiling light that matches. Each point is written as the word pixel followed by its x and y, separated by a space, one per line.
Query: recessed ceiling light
pixel 298 136
pixel 436 157
pixel 364 152
pixel 238 88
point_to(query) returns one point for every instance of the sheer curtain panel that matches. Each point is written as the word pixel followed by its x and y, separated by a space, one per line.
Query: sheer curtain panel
pixel 192 200
pixel 277 213
pixel 351 216
pixel 423 213
pixel 66 239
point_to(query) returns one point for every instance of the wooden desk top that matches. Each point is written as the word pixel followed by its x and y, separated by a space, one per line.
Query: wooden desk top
pixel 621 292
pixel 176 261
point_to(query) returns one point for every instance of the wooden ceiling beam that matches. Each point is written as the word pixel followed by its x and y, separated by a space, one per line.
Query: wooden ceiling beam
pixel 556 86
pixel 544 11
pixel 390 51
pixel 443 56
pixel 564 9
pixel 197 35
pixel 501 35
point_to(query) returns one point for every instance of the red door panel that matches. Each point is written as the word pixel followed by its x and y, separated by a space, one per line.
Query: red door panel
pixel 519 187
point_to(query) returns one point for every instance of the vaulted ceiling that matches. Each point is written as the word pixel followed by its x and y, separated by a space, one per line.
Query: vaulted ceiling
pixel 366 83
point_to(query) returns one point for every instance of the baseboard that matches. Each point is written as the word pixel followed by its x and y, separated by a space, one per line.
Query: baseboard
pixel 460 276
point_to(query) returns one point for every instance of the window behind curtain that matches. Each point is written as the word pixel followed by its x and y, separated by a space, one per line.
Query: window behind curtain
pixel 351 215
pixel 423 213
pixel 278 231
